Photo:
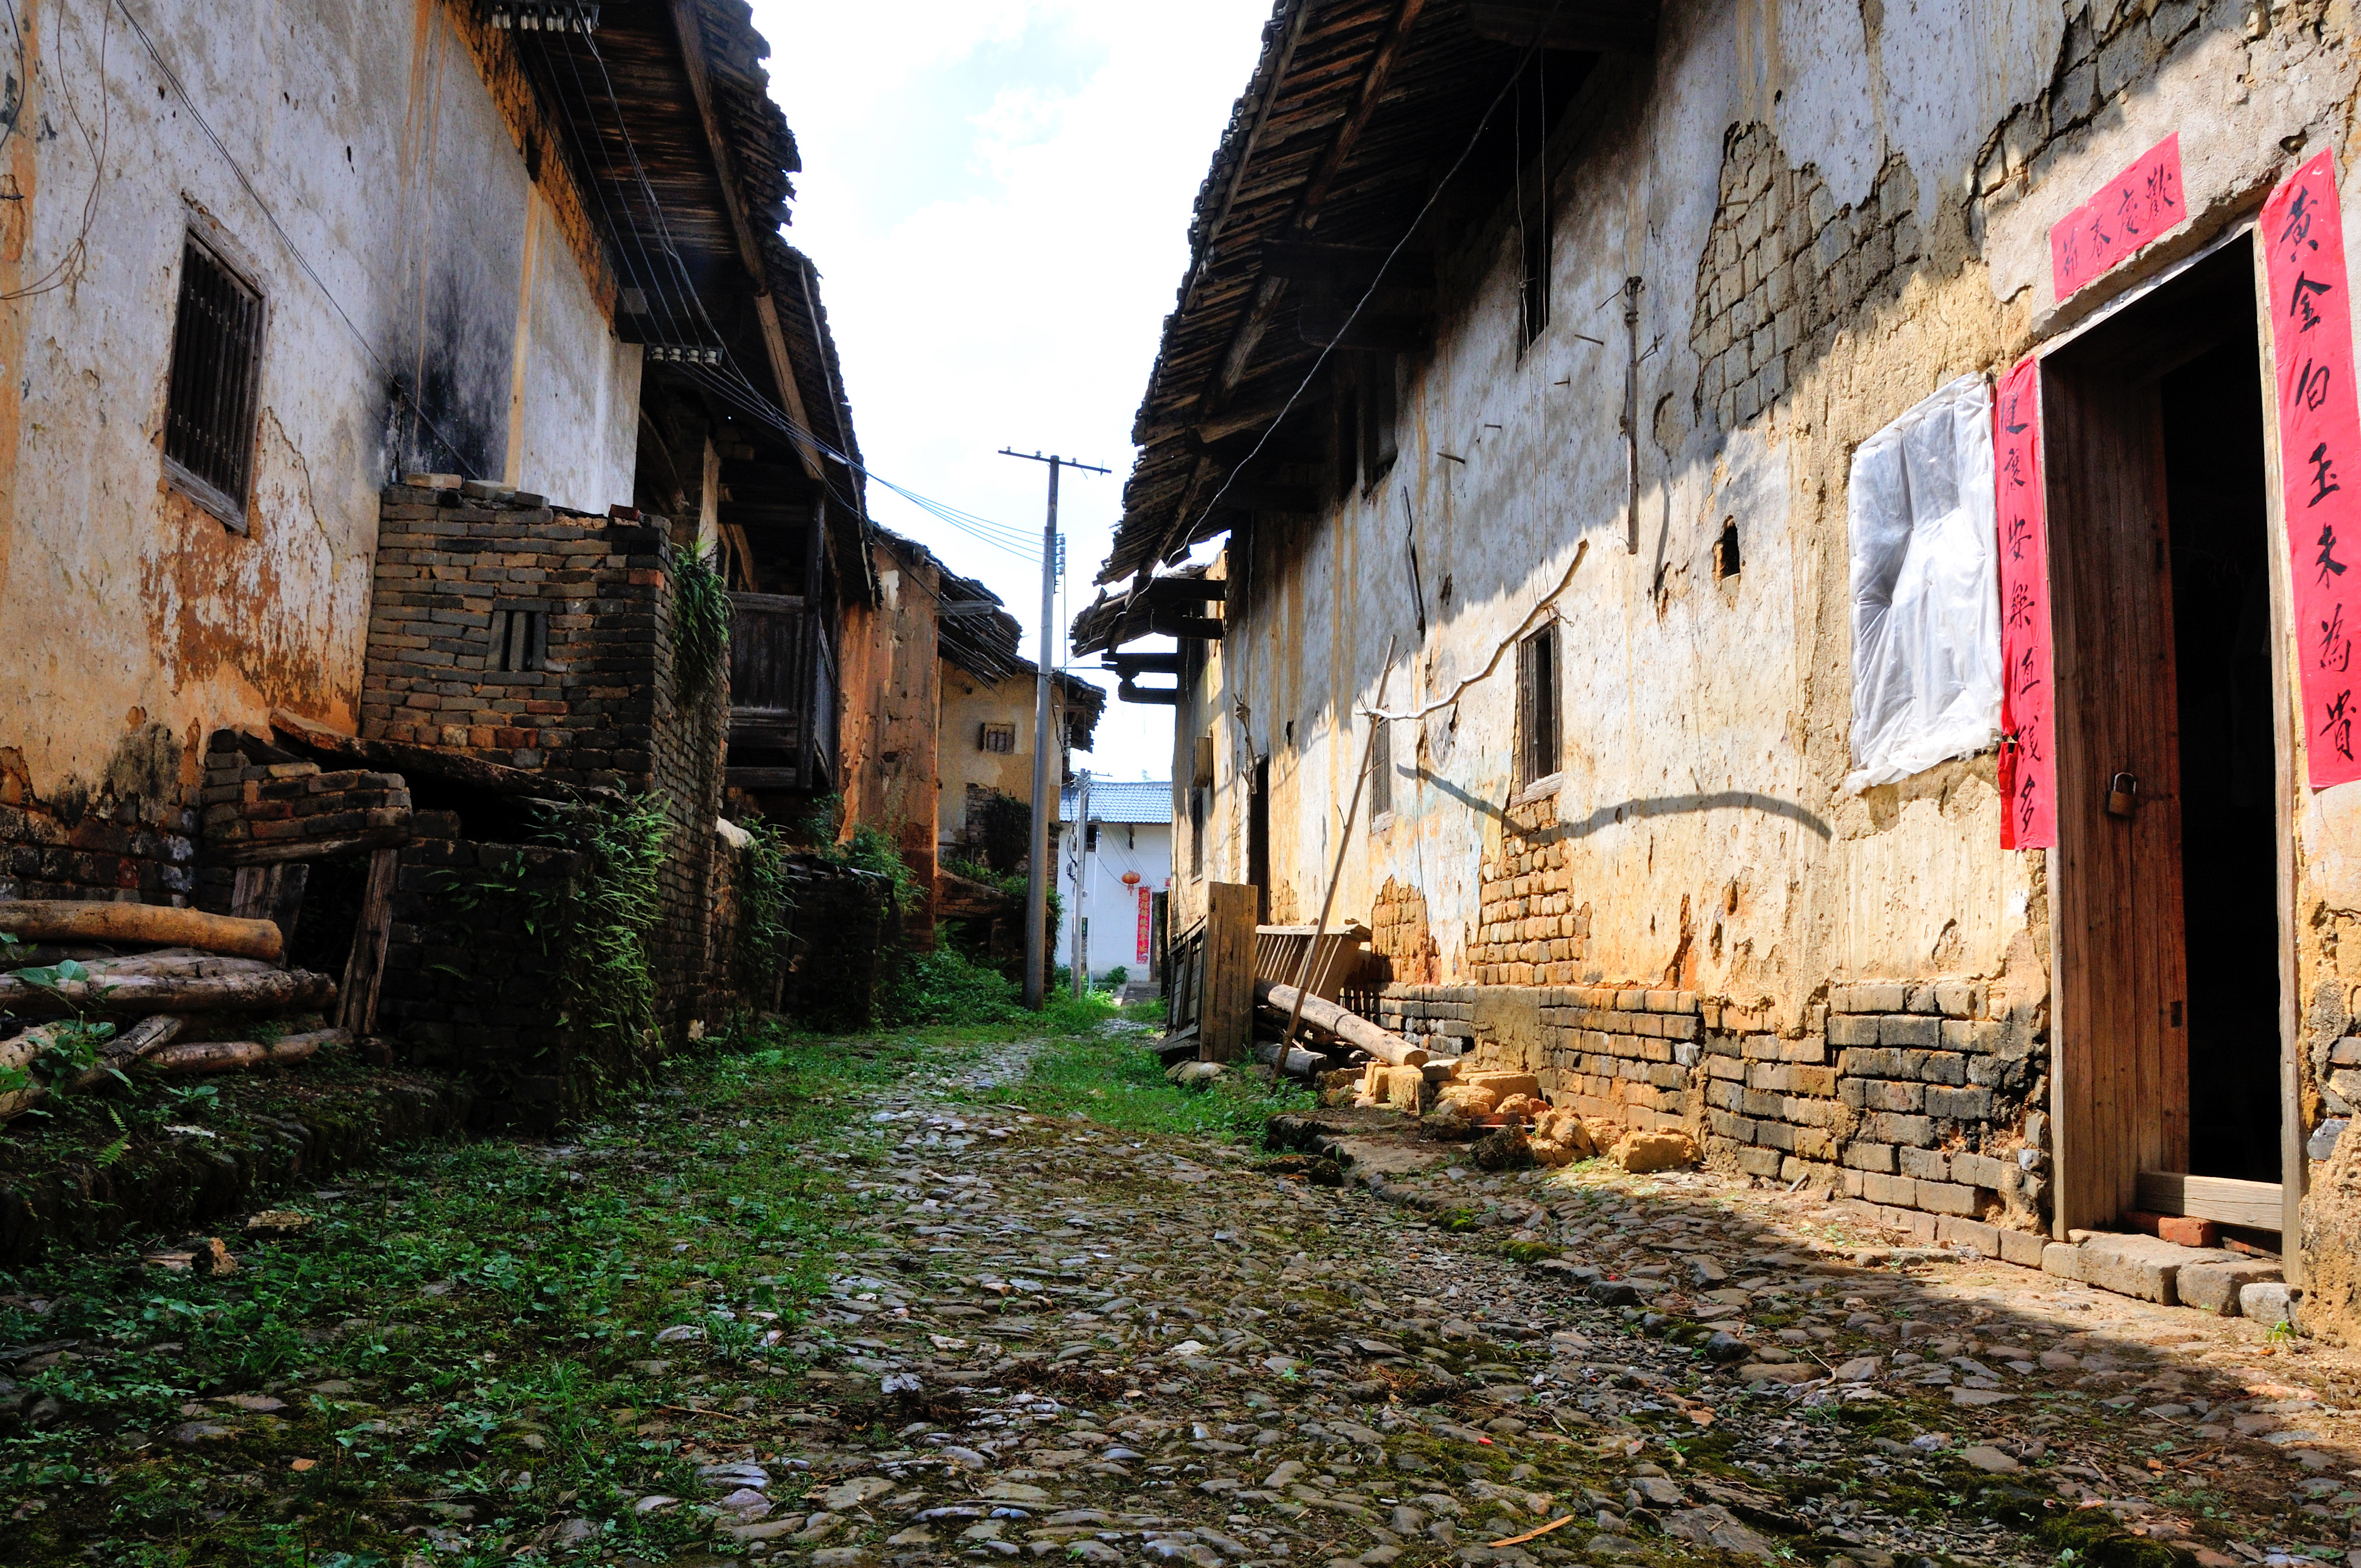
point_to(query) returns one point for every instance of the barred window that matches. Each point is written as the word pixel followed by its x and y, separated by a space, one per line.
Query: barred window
pixel 998 738
pixel 520 640
pixel 209 405
pixel 1381 768
pixel 1537 705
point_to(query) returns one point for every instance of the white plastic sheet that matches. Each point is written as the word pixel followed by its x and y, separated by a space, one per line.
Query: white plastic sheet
pixel 1926 596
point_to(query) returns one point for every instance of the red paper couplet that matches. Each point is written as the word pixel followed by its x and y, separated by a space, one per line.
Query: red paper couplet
pixel 2319 454
pixel 2139 206
pixel 1146 902
pixel 2028 756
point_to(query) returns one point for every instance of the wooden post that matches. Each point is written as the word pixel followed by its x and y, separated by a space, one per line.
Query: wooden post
pixel 1228 1014
pixel 365 967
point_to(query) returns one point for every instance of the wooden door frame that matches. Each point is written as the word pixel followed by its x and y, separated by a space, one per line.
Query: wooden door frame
pixel 2286 802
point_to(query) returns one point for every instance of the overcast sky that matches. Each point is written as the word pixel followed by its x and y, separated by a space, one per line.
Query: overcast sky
pixel 997 194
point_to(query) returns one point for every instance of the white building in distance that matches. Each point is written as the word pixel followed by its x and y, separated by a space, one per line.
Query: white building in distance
pixel 1117 882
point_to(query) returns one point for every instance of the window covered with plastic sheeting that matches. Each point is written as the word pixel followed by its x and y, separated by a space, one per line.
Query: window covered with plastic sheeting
pixel 1926 597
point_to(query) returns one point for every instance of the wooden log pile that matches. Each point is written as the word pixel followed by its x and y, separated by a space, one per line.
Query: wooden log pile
pixel 111 1013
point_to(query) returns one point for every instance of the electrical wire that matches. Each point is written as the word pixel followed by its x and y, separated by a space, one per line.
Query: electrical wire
pixel 68 270
pixel 1177 531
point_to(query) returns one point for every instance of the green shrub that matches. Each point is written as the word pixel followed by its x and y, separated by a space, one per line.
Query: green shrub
pixel 943 989
pixel 758 952
pixel 700 624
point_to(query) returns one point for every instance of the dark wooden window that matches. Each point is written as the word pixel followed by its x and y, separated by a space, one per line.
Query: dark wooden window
pixel 1197 795
pixel 1537 705
pixel 1381 768
pixel 1381 414
pixel 520 640
pixel 209 404
pixel 999 737
pixel 1537 297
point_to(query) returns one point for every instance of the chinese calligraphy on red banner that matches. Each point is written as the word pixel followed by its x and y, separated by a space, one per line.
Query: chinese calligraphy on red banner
pixel 2136 206
pixel 1147 903
pixel 2320 447
pixel 2028 765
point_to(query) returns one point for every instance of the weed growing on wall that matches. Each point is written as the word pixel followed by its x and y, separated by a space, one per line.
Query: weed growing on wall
pixel 700 624
pixel 599 923
pixel 609 916
pixel 758 950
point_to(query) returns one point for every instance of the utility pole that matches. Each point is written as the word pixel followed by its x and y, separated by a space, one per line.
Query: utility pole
pixel 1036 875
pixel 1082 964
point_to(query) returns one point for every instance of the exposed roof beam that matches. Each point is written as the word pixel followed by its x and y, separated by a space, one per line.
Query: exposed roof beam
pixel 1584 24
pixel 1374 76
pixel 750 252
pixel 1354 266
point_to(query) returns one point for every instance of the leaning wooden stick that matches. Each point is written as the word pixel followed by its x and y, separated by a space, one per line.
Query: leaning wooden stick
pixel 1352 812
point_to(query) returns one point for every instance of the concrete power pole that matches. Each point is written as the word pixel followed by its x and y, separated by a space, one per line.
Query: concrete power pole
pixel 1082 964
pixel 1037 876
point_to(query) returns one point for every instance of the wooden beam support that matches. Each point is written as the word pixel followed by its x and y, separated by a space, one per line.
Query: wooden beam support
pixel 1150 696
pixel 749 251
pixel 2253 1204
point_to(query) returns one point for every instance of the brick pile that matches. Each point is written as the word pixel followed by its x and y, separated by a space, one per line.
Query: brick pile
pixel 261 805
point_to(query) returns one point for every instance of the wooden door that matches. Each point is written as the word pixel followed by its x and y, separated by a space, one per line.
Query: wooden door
pixel 2119 1055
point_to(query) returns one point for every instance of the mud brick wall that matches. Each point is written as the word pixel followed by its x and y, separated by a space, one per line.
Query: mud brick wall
pixel 140 850
pixel 1533 930
pixel 138 845
pixel 1916 1099
pixel 1399 933
pixel 469 991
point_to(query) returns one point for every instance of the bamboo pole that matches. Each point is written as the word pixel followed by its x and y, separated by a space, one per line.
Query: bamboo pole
pixel 1336 872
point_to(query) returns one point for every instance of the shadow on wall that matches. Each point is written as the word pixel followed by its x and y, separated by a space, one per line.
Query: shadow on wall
pixel 1638 809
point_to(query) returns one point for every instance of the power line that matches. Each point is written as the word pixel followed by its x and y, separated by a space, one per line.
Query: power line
pixel 1177 531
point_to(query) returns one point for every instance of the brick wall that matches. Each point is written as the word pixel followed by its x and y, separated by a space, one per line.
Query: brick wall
pixel 1918 1097
pixel 138 846
pixel 599 704
pixel 468 990
pixel 1399 933
pixel 1532 929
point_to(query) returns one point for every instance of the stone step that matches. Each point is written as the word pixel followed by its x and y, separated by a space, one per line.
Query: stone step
pixel 2207 1278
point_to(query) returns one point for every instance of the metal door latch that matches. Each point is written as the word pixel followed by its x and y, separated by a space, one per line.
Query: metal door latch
pixel 2123 795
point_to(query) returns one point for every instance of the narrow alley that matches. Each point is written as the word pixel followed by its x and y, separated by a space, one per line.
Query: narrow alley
pixel 852 1302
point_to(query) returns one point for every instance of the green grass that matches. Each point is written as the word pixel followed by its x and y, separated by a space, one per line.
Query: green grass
pixel 486 1302
pixel 1114 1080
pixel 479 1308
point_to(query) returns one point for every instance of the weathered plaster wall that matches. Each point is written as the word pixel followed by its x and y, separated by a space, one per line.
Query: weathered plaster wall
pixel 892 676
pixel 1832 209
pixel 969 704
pixel 1706 722
pixel 400 176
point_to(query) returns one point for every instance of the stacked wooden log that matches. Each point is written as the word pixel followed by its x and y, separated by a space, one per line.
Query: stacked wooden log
pixel 150 974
